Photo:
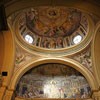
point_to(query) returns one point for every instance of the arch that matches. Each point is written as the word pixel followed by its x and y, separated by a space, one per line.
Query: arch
pixel 9 55
pixel 67 61
pixel 96 52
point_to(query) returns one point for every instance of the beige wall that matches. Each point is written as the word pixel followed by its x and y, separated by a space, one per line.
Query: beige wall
pixel 1 49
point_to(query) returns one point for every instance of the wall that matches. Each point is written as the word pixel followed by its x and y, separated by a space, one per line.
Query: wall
pixel 1 49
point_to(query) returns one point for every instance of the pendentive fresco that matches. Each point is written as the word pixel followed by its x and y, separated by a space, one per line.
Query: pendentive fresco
pixel 84 57
pixel 21 57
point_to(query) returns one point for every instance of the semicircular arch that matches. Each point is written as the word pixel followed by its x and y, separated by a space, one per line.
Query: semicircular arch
pixel 19 73
pixel 96 51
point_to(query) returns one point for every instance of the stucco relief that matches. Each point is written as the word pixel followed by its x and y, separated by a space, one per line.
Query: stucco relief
pixel 21 57
pixel 84 57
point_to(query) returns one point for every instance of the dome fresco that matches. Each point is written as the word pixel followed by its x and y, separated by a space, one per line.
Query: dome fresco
pixel 52 27
pixel 53 81
pixel 52 22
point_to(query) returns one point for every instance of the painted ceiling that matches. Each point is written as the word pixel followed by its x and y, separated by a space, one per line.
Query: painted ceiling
pixel 51 27
pixel 52 22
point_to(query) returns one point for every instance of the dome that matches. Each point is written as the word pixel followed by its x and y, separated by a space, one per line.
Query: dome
pixel 52 27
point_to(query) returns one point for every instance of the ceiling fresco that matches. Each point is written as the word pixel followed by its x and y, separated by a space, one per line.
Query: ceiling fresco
pixel 50 27
pixel 53 81
pixel 52 22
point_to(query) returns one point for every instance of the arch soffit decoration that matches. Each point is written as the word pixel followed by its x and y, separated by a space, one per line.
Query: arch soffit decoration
pixel 95 53
pixel 31 64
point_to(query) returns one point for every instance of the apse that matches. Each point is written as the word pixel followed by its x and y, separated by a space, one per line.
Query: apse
pixel 53 80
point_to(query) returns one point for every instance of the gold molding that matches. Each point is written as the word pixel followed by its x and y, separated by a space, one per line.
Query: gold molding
pixel 34 62
pixel 93 53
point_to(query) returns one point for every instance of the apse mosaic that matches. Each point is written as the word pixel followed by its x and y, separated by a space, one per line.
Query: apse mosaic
pixel 53 81
pixel 52 27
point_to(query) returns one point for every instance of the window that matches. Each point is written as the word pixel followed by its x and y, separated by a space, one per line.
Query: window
pixel 29 39
pixel 77 39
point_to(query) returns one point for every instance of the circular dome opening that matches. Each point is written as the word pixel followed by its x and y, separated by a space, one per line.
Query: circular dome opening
pixel 77 39
pixel 29 39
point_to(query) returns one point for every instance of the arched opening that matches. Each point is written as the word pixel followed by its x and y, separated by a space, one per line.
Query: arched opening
pixel 19 74
pixel 53 80
pixel 96 52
